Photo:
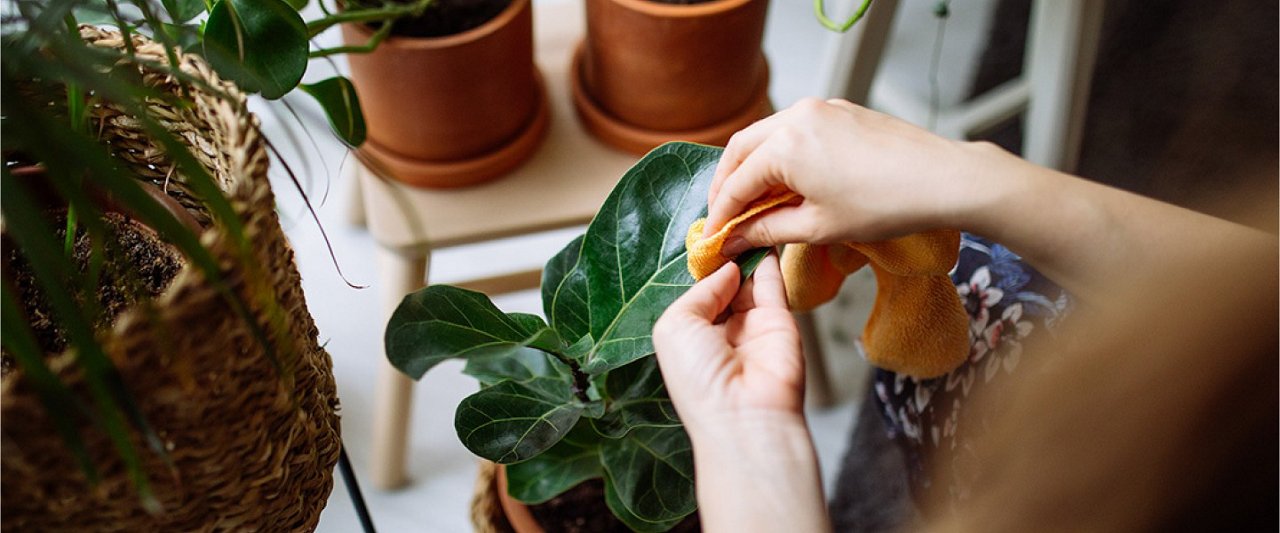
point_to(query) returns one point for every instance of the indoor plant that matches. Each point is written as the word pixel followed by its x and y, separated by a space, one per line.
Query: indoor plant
pixel 649 71
pixel 452 96
pixel 204 401
pixel 579 396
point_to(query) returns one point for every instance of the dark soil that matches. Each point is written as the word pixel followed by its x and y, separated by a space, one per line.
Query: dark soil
pixel 137 265
pixel 447 17
pixel 582 510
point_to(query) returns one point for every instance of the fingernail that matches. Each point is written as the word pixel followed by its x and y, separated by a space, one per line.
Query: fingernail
pixel 734 246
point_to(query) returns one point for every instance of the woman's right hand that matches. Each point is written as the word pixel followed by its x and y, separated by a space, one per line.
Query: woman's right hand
pixel 864 176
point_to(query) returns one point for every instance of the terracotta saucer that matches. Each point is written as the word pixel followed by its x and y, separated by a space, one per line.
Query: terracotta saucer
pixel 463 172
pixel 637 140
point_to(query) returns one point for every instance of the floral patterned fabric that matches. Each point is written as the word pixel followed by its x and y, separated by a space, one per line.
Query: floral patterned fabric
pixel 1007 302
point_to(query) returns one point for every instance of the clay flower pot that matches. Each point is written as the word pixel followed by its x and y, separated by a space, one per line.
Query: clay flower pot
pixel 649 72
pixel 518 514
pixel 454 110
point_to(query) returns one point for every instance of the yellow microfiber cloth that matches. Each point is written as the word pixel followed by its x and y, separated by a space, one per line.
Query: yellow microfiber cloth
pixel 917 326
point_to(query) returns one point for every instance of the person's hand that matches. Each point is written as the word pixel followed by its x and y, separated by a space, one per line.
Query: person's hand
pixel 749 363
pixel 738 385
pixel 864 176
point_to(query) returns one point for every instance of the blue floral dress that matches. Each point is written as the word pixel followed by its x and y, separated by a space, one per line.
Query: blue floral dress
pixel 1007 302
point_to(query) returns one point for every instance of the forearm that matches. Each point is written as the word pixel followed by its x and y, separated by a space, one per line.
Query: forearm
pixel 758 474
pixel 1087 237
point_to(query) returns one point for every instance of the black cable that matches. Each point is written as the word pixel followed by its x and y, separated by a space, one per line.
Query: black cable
pixel 353 490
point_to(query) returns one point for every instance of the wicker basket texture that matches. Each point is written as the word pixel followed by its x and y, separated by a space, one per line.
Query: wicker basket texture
pixel 251 447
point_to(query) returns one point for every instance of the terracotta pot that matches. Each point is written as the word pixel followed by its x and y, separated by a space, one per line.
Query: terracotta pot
pixel 454 110
pixel 649 72
pixel 518 514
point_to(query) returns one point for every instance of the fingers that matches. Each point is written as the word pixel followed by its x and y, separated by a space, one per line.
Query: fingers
pixel 756 176
pixel 782 225
pixel 741 145
pixel 707 298
pixel 767 287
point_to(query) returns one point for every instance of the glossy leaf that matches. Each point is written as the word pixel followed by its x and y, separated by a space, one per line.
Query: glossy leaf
pixel 182 11
pixel 298 5
pixel 522 364
pixel 614 502
pixel 750 260
pixel 564 292
pixel 636 398
pixel 652 472
pixel 575 459
pixel 633 256
pixel 513 421
pixel 259 44
pixel 441 322
pixel 337 97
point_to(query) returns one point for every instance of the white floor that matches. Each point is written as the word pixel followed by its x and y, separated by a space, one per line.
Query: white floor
pixel 351 324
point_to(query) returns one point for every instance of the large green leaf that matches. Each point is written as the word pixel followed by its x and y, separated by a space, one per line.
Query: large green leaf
pixel 513 421
pixel 564 292
pixel 575 459
pixel 337 97
pixel 636 398
pixel 633 256
pixel 182 11
pixel 259 44
pixel 441 322
pixel 522 364
pixel 614 501
pixel 651 470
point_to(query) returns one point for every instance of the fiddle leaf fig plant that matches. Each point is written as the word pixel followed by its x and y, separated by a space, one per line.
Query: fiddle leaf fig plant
pixel 579 395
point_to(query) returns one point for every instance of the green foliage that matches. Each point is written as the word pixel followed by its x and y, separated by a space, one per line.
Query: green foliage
pixel 259 44
pixel 263 44
pixel 582 397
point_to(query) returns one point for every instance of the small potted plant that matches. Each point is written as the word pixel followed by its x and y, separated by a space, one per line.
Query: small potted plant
pixel 576 402
pixel 451 94
pixel 649 71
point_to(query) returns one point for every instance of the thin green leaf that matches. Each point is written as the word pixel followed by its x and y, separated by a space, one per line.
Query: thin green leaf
pixel 18 339
pixel 337 97
pixel 51 269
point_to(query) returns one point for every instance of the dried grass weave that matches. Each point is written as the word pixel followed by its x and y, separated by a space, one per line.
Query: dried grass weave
pixel 252 448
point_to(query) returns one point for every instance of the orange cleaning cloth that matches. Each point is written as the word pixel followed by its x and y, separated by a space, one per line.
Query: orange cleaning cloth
pixel 917 326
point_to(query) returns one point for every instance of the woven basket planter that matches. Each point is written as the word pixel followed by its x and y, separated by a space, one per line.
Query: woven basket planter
pixel 252 448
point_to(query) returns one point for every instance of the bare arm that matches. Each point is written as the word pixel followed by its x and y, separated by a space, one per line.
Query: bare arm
pixel 866 176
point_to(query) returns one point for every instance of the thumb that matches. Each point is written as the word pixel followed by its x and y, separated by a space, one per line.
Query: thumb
pixel 783 225
pixel 707 298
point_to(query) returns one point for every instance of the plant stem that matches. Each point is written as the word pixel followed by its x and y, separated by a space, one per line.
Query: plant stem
pixel 368 46
pixel 820 10
pixel 581 381
pixel 317 26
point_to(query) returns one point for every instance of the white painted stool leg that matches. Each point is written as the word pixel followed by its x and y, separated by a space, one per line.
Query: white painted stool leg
pixel 402 272
pixel 1062 46
pixel 853 57
pixel 355 192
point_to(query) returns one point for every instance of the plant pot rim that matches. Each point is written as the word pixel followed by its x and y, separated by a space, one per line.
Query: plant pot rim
pixel 448 41
pixel 638 140
pixel 464 172
pixel 659 9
